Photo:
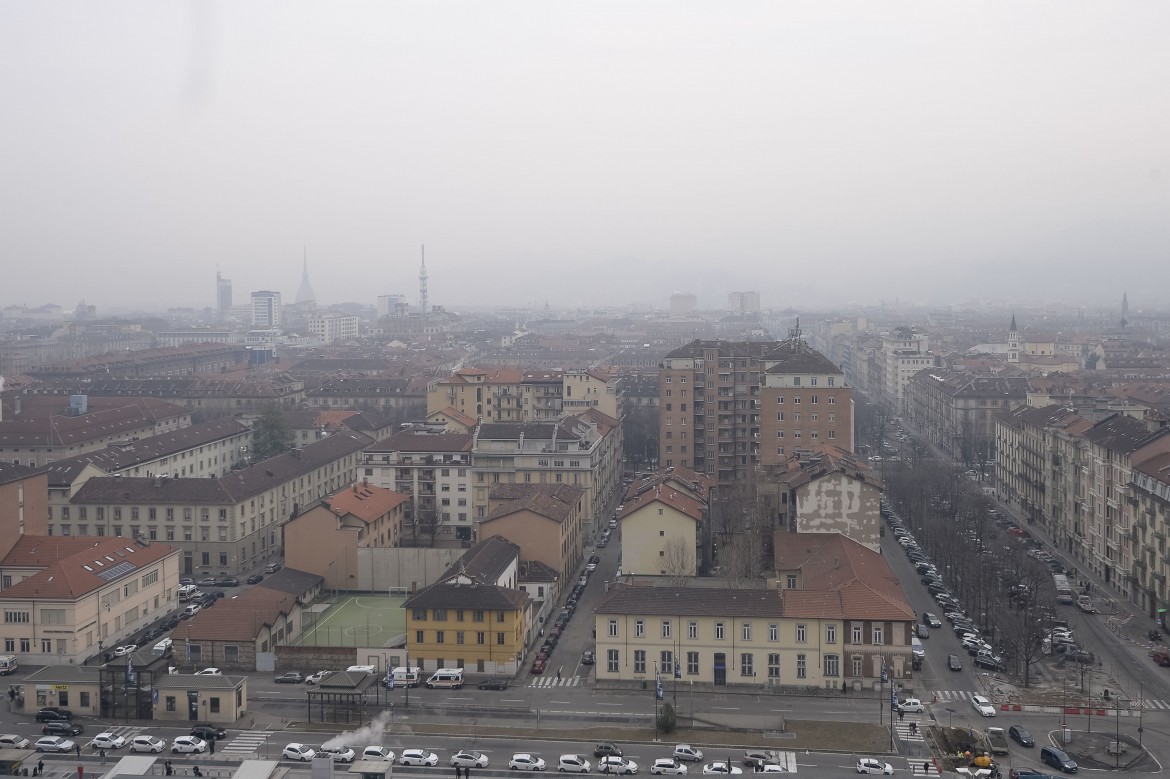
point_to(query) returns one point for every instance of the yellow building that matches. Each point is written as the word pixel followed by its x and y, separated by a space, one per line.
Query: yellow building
pixel 838 620
pixel 474 617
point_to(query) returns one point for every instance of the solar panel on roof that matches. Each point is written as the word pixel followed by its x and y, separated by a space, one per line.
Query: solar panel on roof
pixel 117 570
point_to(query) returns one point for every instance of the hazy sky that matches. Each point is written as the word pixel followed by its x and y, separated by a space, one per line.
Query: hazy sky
pixel 584 153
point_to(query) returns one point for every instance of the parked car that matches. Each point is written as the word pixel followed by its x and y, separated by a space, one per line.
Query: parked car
pixel 867 765
pixel 522 761
pixel 931 620
pixel 573 764
pixel 188 745
pixel 272 568
pixel 615 764
pixel 107 741
pixel 758 757
pixel 209 672
pixel 51 713
pixel 418 757
pixel 302 752
pixel 607 749
pixel 588 658
pixel 954 663
pixel 494 683
pixel 341 754
pixel 55 744
pixel 721 767
pixel 150 744
pixel 13 741
pixel 124 650
pixel 668 766
pixel 378 753
pixel 61 728
pixel 688 753
pixel 469 758
pixel 538 664
pixel 207 581
pixel 190 611
pixel 290 677
pixel 254 579
pixel 208 732
pixel 227 581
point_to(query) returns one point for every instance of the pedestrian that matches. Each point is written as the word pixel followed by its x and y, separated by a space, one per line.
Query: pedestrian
pixel 901 714
pixel 78 748
pixel 102 752
pixel 458 772
pixel 467 772
pixel 926 767
pixel 558 674
pixel 40 766
pixel 211 746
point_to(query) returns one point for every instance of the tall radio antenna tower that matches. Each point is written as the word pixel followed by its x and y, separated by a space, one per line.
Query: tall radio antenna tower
pixel 422 282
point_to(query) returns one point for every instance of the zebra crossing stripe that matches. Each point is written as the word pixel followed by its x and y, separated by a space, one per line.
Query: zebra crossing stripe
pixel 246 742
pixel 552 681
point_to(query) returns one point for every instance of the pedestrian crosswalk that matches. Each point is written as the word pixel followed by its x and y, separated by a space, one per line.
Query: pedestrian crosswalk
pixel 964 696
pixel 923 768
pixel 552 681
pixel 245 743
pixel 954 695
pixel 909 728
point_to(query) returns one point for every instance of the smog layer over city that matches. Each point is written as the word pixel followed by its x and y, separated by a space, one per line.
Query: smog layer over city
pixel 778 387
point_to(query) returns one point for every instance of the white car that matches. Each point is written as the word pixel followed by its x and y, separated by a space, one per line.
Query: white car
pixel 721 767
pixel 983 706
pixel 688 752
pixel 668 766
pixel 378 753
pixel 340 754
pixel 418 757
pixel 911 706
pixel 124 650
pixel 772 768
pixel 55 744
pixel 615 764
pixel 522 761
pixel 469 758
pixel 302 752
pixel 317 677
pixel 13 741
pixel 867 765
pixel 209 672
pixel 107 741
pixel 189 744
pixel 573 764
pixel 152 744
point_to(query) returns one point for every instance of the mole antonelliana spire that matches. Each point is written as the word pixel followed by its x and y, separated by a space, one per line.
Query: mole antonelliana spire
pixel 305 293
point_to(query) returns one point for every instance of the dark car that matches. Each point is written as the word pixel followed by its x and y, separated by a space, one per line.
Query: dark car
pixel 61 728
pixel 588 658
pixel 290 677
pixel 227 581
pixel 607 749
pixel 208 581
pixel 254 579
pixel 1027 773
pixel 494 683
pixel 272 568
pixel 1021 736
pixel 184 580
pixel 1059 759
pixel 992 663
pixel 54 714
pixel 208 732
pixel 954 663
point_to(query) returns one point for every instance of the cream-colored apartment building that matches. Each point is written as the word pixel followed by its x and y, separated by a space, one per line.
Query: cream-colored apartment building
pixel 70 598
pixel 509 395
pixel 226 525
pixel 544 520
pixel 660 523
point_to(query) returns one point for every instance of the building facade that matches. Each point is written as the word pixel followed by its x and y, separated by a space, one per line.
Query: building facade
pixel 544 520
pixel 266 310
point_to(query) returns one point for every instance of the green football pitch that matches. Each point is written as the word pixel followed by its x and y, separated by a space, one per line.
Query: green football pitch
pixel 356 620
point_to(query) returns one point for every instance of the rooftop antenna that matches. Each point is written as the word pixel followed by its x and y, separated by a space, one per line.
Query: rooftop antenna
pixel 422 282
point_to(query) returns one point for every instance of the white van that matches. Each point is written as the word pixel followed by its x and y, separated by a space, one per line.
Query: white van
pixel 357 669
pixel 187 591
pixel 162 648
pixel 407 677
pixel 916 647
pixel 446 677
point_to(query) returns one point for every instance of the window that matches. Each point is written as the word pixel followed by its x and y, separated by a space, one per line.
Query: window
pixel 773 632
pixel 214 705
pixel 832 665
pixel 830 634
pixel 795 381
pixel 792 581
pixel 440 615
pixel 666 628
pixel 745 665
pixel 83 699
pixel 639 661
pixel 613 629
pixel 440 637
pixel 773 666
pixel 459 637
pixel 779 416
pixel 477 616
pixel 801 667
pixel 639 629
pixel 877 634
pixel 746 629
pixel 666 661
pixel 611 659
pixel 25 645
pixel 10 645
pixel 719 631
pixel 857 666
pixel 419 615
pixel 832 400
pixel 499 639
pixel 16 616
pixel 813 399
pixel 857 634
pixel 481 638
pixel 170 703
pixel 692 630
pixel 692 663
pixel 832 381
pixel 802 634
pixel 418 637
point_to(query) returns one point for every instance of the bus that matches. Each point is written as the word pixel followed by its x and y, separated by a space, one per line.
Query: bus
pixel 1064 593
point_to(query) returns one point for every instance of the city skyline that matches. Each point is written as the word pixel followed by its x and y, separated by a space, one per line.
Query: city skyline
pixel 585 157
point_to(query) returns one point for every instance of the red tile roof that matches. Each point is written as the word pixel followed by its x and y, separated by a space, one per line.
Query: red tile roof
pixel 364 501
pixel 105 560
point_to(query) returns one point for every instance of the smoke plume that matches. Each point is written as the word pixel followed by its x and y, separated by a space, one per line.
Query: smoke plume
pixel 369 735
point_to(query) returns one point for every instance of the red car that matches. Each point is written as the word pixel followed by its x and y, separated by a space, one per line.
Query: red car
pixel 538 665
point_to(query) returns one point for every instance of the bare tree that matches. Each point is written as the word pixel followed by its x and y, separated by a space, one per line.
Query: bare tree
pixel 679 561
